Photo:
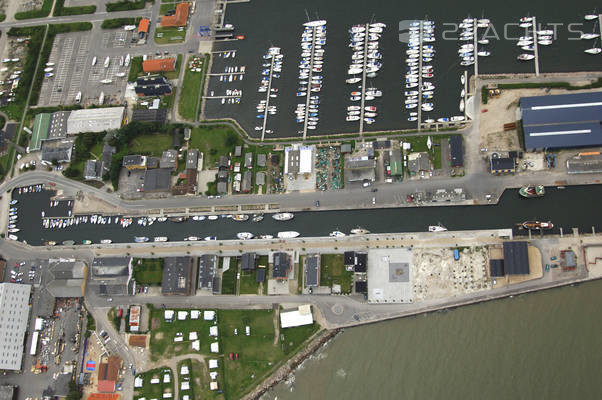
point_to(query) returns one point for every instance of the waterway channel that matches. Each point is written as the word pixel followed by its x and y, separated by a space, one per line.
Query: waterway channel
pixel 576 206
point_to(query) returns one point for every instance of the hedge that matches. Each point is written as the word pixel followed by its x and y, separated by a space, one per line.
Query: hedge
pixel 61 11
pixel 119 22
pixel 127 5
pixel 38 13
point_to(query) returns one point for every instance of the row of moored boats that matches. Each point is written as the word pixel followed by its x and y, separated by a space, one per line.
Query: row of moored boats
pixel 419 90
pixel 272 67
pixel 469 51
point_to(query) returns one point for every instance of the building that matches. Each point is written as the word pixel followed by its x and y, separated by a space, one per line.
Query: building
pixel 395 163
pixel 299 317
pixel 134 161
pixel 585 163
pixel 65 279
pixel 496 268
pixel 361 262
pixel 260 274
pixel 192 159
pixel 260 178
pixel 419 163
pixel 249 160
pixel 95 120
pixel 360 165
pixel 14 319
pixel 169 159
pixel 361 287
pixel 108 373
pixel 516 258
pixel 111 276
pixel 178 275
pixel 150 80
pixel 562 121
pixel 158 115
pixel 157 180
pixel 501 165
pixel 282 265
pixel 389 276
pixel 237 151
pixel 93 170
pixel 143 26
pixel 153 85
pixel 41 126
pixel 298 160
pixel 456 151
pixel 207 269
pixel 247 182
pixel 7 392
pixel 107 157
pixel 179 18
pixel 134 318
pixel 262 160
pixel 312 271
pixel 248 261
pixel 222 181
pixel 57 150
pixel 159 65
pixel 346 148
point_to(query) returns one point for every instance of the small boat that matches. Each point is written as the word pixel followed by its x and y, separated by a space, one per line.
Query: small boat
pixel 593 50
pixel 288 234
pixel 266 237
pixel 107 61
pixel 67 242
pixel 48 75
pixel 140 239
pixel 353 80
pixel 245 235
pixel 192 238
pixel 50 243
pixel 199 218
pixel 94 61
pixel 160 239
pixel 532 191
pixel 462 105
pixel 283 216
pixel 525 57
pixel 537 225
pixel 526 19
pixel 177 219
pixel 209 238
pixel 49 69
pixel 240 217
pixel 359 231
pixel 13 202
pixel 437 228
pixel 257 218
pixel 86 241
pixel 337 234
pixel 13 237
pixel 106 241
pixel 14 230
pixel 588 36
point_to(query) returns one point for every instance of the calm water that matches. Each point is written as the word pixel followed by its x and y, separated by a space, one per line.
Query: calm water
pixel 582 201
pixel 268 23
pixel 538 346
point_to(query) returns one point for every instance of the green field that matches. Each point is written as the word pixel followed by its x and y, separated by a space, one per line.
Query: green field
pixel 214 141
pixel 169 35
pixel 332 271
pixel 151 144
pixel 148 271
pixel 191 87
pixel 248 282
pixel 156 390
pixel 229 278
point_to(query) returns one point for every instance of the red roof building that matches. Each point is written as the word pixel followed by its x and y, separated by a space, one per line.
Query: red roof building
pixel 159 65
pixel 179 18
pixel 108 373
pixel 143 25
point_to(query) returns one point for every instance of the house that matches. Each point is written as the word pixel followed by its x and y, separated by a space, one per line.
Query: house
pixel 260 178
pixel 360 165
pixel 207 271
pixel 153 90
pixel 192 159
pixel 134 318
pixel 282 265
pixel 108 373
pixel 143 26
pixel 249 160
pixel 248 261
pixel 238 151
pixel 419 163
pixel 501 165
pixel 177 276
pixel 132 162
pixel 222 181
pixel 107 157
pixel 169 159
pixel 93 170
pixel 224 162
pixel 260 274
pixel 261 160
pixel 179 18
pixel 247 182
pixel 301 316
pixel 312 271
pixel 159 65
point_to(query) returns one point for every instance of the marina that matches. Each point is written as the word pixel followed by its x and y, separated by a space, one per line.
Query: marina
pixel 334 89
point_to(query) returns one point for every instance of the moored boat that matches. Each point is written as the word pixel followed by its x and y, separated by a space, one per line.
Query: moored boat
pixel 359 231
pixel 337 234
pixel 537 225
pixel 532 191
pixel 160 239
pixel 140 239
pixel 288 234
pixel 86 241
pixel 240 217
pixel 283 216
pixel 208 238
pixel 437 228
pixel 245 235
pixel 106 241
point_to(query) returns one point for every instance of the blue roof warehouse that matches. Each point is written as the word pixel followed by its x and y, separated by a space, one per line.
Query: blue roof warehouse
pixel 562 121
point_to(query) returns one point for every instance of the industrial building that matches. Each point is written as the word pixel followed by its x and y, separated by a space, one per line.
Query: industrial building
pixel 95 120
pixel 298 160
pixel 419 163
pixel 14 318
pixel 57 150
pixel 299 317
pixel 585 163
pixel 562 121
pixel 134 318
pixel 111 276
pixel 178 276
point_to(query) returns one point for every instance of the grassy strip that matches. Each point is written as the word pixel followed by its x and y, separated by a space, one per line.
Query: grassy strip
pixel 39 13
pixel 169 35
pixel 187 107
pixel 148 271
pixel 135 68
pixel 115 23
pixel 52 32
pixel 484 94
pixel 61 11
pixel 127 5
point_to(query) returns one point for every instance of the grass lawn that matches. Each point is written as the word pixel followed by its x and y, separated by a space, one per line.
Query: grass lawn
pixel 151 391
pixel 248 282
pixel 229 278
pixel 169 35
pixel 332 271
pixel 191 87
pixel 113 316
pixel 167 101
pixel 148 271
pixel 152 144
pixel 300 274
pixel 214 141
pixel 176 72
pixel 263 260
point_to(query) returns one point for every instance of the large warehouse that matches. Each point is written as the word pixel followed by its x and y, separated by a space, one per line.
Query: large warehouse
pixel 95 120
pixel 14 317
pixel 562 121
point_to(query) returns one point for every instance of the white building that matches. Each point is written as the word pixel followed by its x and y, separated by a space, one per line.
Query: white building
pixel 95 120
pixel 14 317
pixel 299 317
pixel 298 159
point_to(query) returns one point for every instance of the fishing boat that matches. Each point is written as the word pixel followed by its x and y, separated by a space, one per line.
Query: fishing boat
pixel 86 241
pixel 106 241
pixel 140 239
pixel 160 239
pixel 283 216
pixel 337 234
pixel 359 231
pixel 532 191
pixel 209 238
pixel 437 228
pixel 288 234
pixel 240 217
pixel 245 235
pixel 531 225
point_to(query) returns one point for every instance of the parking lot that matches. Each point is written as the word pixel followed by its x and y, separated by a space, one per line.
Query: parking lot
pixel 73 72
pixel 24 271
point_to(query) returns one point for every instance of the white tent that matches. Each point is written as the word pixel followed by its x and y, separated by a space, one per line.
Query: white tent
pixel 182 315
pixel 194 314
pixel 184 370
pixel 213 331
pixel 214 347
pixel 212 364
pixel 138 382
pixel 196 345
pixel 209 315
pixel 192 336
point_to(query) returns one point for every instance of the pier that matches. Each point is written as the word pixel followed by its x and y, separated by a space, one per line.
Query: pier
pixel 363 88
pixel 227 73
pixel 465 97
pixel 420 59
pixel 476 47
pixel 535 46
pixel 311 73
pixel 267 98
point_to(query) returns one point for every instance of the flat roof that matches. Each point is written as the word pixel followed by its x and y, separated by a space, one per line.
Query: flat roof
pixel 297 317
pixel 41 124
pixel 312 271
pixel 157 180
pixel 516 258
pixel 456 151
pixel 95 120
pixel 389 276
pixel 14 319
pixel 177 274
pixel 207 267
pixel 562 121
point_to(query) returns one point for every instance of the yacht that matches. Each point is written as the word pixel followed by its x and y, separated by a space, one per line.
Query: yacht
pixel 593 50
pixel 437 228
pixel 160 239
pixel 525 57
pixel 106 241
pixel 245 235
pixel 212 217
pixel 283 216
pixel 288 234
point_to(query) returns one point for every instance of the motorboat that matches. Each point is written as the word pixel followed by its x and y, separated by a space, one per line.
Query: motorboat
pixel 525 57
pixel 106 241
pixel 285 216
pixel 461 105
pixel 590 17
pixel 160 239
pixel 359 231
pixel 266 237
pixel 537 225
pixel 192 238
pixel 593 50
pixel 588 36
pixel 209 238
pixel 337 234
pixel 483 53
pixel 240 217
pixel 483 41
pixel 353 80
pixel 288 234
pixel 457 118
pixel 212 217
pixel 526 19
pixel 140 239
pixel 544 42
pixel 531 191
pixel 13 202
pixel 437 228
pixel 245 235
